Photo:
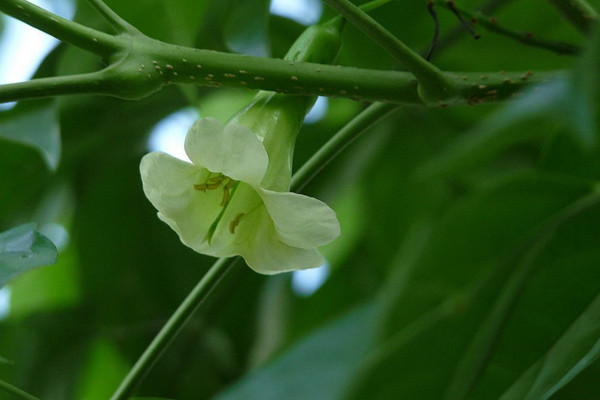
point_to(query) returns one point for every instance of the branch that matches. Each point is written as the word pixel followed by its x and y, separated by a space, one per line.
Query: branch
pixel 68 31
pixel 144 65
pixel 578 12
pixel 526 38
pixel 434 85
pixel 114 19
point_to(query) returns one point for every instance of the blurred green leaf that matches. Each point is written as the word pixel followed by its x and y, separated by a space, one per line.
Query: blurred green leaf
pixel 576 349
pixel 21 249
pixel 246 28
pixel 583 100
pixel 463 268
pixel 318 367
pixel 532 116
pixel 104 364
pixel 5 361
pixel 35 124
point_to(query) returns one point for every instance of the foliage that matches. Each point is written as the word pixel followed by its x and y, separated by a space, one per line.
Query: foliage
pixel 468 262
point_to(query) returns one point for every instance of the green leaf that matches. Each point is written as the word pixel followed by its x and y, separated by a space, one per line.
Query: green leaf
pixel 449 305
pixel 582 99
pixel 35 124
pixel 317 368
pixel 532 116
pixel 576 349
pixel 104 364
pixel 246 29
pixel 22 249
pixel 5 361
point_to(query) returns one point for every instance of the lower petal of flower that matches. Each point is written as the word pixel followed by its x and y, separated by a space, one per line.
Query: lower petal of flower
pixel 261 246
pixel 301 221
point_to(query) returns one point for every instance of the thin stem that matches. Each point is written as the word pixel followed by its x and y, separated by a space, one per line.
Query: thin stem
pixel 436 32
pixel 526 38
pixel 452 6
pixel 68 31
pixel 91 83
pixel 487 8
pixel 435 86
pixel 173 326
pixel 578 12
pixel 334 146
pixel 8 388
pixel 114 19
pixel 373 5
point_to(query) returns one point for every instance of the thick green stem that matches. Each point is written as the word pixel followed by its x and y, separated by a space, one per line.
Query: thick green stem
pixel 142 65
pixel 8 388
pixel 578 12
pixel 175 323
pixel 68 31
pixel 434 86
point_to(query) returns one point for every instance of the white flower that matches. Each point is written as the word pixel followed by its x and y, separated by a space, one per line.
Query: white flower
pixel 220 204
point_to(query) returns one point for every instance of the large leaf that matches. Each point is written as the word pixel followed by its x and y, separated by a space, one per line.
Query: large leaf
pixel 576 349
pixel 23 248
pixel 317 368
pixel 34 124
pixel 461 293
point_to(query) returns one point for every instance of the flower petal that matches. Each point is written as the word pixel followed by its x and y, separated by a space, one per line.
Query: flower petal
pixel 232 150
pixel 260 245
pixel 169 185
pixel 301 221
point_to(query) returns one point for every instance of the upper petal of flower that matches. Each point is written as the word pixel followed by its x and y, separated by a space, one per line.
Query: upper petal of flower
pixel 232 150
pixel 301 221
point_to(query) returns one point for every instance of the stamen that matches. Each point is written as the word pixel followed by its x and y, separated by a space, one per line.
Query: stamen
pixel 217 179
pixel 213 185
pixel 225 196
pixel 236 221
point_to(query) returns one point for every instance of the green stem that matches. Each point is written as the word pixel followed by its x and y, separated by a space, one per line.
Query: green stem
pixel 8 388
pixel 118 23
pixel 142 65
pixel 334 146
pixel 435 86
pixel 526 38
pixel 68 31
pixel 578 12
pixel 92 83
pixel 173 326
